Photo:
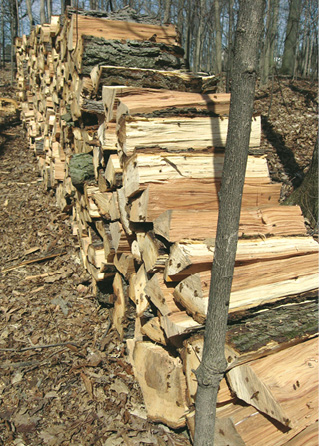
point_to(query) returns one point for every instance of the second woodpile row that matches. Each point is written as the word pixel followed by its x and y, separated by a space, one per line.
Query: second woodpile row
pixel 133 146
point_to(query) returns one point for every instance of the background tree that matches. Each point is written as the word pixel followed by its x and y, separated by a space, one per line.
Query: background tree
pixel 213 365
pixel 291 40
pixel 306 195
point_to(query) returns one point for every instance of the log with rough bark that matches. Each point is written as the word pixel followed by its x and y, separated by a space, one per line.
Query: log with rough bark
pixel 92 51
pixel 146 78
pixel 177 134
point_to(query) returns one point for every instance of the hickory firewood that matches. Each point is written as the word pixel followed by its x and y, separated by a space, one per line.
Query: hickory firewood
pixel 178 225
pixel 195 256
pixel 146 78
pixel 253 284
pixel 194 194
pixel 177 133
pixel 160 167
pixel 282 385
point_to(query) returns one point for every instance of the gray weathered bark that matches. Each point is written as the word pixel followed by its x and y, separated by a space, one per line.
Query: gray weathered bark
pixel 29 10
pixel 213 365
pixel 289 56
pixel 217 62
pixel 42 12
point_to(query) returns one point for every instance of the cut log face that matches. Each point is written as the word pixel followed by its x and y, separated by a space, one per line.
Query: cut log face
pixel 266 385
pixel 178 134
pixel 162 382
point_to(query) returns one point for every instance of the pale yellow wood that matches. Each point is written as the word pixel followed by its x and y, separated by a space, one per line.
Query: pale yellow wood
pixel 178 323
pixel 178 134
pixel 178 225
pixel 193 257
pixel 283 385
pixel 141 300
pixel 307 437
pixel 253 284
pixel 161 167
pixel 196 194
pixel 162 382
pixel 161 295
pixel 153 330
pixel 120 304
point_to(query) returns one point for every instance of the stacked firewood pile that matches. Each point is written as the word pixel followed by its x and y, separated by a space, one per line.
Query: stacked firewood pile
pixel 133 146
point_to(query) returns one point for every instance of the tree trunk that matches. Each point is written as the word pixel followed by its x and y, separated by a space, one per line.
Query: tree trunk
pixel 217 63
pixel 230 45
pixel 213 365
pixel 49 10
pixel 306 195
pixel 29 10
pixel 42 12
pixel 167 11
pixel 199 37
pixel 289 56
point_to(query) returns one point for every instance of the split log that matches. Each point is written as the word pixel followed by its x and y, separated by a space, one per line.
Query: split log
pixel 162 382
pixel 178 134
pixel 139 101
pixel 154 168
pixel 282 386
pixel 307 437
pixel 177 225
pixel 193 256
pixel 113 172
pixel 161 295
pixel 195 194
pixel 154 331
pixel 177 324
pixel 225 431
pixel 253 284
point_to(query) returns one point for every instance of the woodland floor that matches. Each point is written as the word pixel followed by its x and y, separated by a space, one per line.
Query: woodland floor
pixel 64 376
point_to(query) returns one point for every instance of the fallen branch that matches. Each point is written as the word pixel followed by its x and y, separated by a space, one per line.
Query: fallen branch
pixel 35 347
pixel 28 262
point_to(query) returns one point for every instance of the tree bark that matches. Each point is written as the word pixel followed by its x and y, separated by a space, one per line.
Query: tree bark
pixel 42 12
pixel 213 365
pixel 29 10
pixel 289 56
pixel 306 195
pixel 218 39
pixel 167 11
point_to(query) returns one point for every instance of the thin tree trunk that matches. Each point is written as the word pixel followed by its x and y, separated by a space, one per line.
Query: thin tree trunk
pixel 199 36
pixel 230 44
pixel 218 38
pixel 30 16
pixel 167 11
pixel 213 365
pixel 42 12
pixel 274 4
pixel 49 10
pixel 289 56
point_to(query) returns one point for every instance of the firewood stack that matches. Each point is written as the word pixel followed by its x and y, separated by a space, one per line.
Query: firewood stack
pixel 133 146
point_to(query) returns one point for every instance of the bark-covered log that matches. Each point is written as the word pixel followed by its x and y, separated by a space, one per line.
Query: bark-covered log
pixel 147 78
pixel 131 53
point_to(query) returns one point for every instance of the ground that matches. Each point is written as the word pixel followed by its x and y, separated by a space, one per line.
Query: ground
pixel 64 378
